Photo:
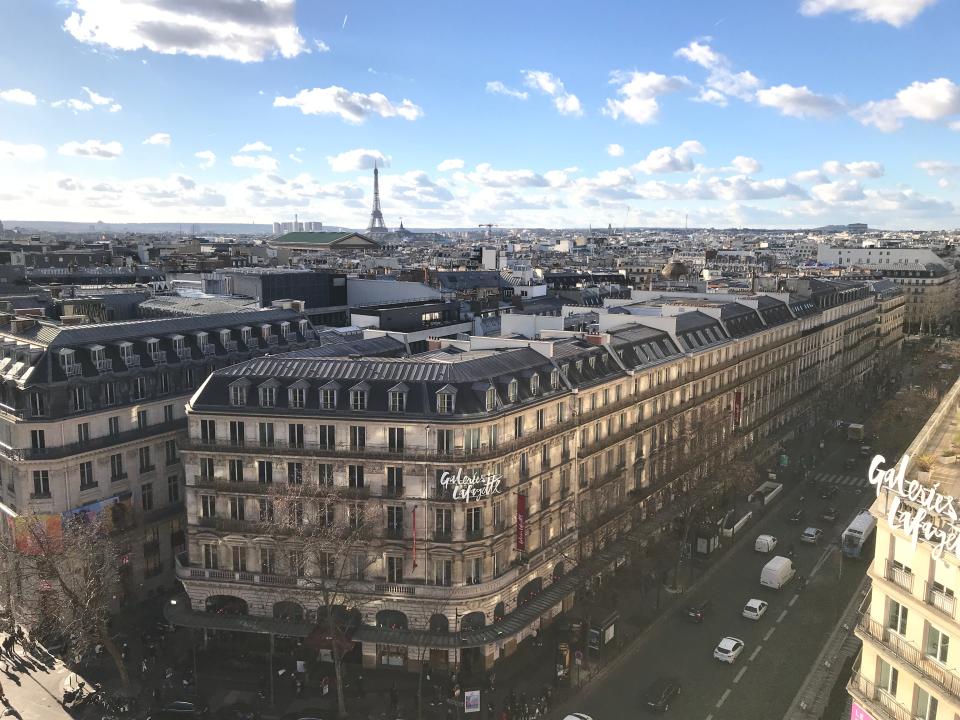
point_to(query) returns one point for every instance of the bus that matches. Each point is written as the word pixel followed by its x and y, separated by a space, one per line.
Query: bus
pixel 857 534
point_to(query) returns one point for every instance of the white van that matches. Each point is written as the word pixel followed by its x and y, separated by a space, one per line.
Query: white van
pixel 765 543
pixel 777 573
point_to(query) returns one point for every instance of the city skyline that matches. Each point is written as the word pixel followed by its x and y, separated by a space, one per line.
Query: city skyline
pixel 548 116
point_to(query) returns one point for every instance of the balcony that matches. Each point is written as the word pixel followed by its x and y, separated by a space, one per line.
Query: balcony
pixel 40 495
pixel 474 534
pixel 159 358
pixel 442 536
pixel 97 443
pixel 104 365
pixel 184 354
pixel 118 477
pixel 208 349
pixel 945 602
pixel 879 702
pixel 230 346
pixel 72 369
pixel 130 360
pixel 271 340
pixel 611 475
pixel 394 532
pixel 393 491
pixel 899 576
pixel 891 642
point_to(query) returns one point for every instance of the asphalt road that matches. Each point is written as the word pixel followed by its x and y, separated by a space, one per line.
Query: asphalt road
pixel 780 648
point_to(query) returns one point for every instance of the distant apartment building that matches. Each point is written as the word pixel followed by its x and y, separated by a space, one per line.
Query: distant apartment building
pixel 575 436
pixel 93 416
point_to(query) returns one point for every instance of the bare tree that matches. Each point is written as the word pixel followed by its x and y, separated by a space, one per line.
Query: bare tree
pixel 328 531
pixel 67 572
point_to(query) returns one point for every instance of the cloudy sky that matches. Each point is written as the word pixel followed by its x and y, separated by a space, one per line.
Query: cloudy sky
pixel 553 113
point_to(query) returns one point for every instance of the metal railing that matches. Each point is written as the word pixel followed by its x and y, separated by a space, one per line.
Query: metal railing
pixel 943 601
pixel 877 700
pixel 52 453
pixel 899 576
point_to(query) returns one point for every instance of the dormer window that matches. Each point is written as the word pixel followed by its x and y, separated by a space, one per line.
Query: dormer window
pixel 534 384
pixel 328 398
pixel 268 396
pixel 238 395
pixel 491 399
pixel 593 362
pixel 554 379
pixel 445 403
pixel 303 327
pixel 358 399
pixel 579 366
pixel 224 337
pixel 297 397
pixel 398 401
pixel 245 334
pixel 513 391
pixel 284 329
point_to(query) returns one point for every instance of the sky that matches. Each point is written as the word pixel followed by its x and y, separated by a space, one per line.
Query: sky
pixel 530 113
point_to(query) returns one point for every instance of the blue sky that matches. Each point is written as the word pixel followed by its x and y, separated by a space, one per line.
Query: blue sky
pixel 791 113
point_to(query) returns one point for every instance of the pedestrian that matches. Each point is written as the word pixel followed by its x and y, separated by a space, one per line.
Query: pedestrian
pixel 143 666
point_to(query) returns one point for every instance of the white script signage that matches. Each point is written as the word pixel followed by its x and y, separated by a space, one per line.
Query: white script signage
pixel 930 516
pixel 471 487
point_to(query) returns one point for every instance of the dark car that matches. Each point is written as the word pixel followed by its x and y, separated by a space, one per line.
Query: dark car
pixel 660 693
pixel 827 491
pixel 829 514
pixel 796 516
pixel 696 613
pixel 178 710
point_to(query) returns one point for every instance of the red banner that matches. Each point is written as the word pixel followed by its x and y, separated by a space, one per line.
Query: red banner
pixel 521 522
pixel 737 407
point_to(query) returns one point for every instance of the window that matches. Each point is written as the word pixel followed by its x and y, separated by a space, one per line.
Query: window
pixel 324 474
pixel 173 489
pixel 474 570
pixel 235 466
pixel 444 441
pixel 938 643
pixel 37 405
pixel 170 452
pixel 295 435
pixel 142 420
pixel 445 403
pixel 41 483
pixel 534 384
pixel 210 559
pixel 116 467
pixel 268 396
pixel 296 563
pixel 395 481
pixel 442 572
pixel 295 473
pixel 265 431
pixel 395 439
pixel 264 471
pixel 297 397
pixel 239 558
pixel 394 569
pixel 471 439
pixel 491 400
pixel 238 395
pixel 518 426
pixel 265 507
pixel 541 419
pixel 208 506
pixel 327 564
pixel 328 399
pixel 897 618
pixel 87 480
pixel 561 412
pixel 326 437
pixel 395 521
pixel 168 413
pixel 113 426
pixel 268 560
pixel 139 388
pixel 398 401
pixel 358 399
pixel 358 437
pixel 474 523
pixel 499 563
pixel 78 399
pixel 925 705
pixel 513 390
pixel 237 508
pixel 83 433
pixel 238 433
pixel 325 514
pixel 145 464
pixel 443 523
pixel 163 383
pixel 38 439
pixel 146 496
pixel 554 379
pixel 888 677
pixel 355 476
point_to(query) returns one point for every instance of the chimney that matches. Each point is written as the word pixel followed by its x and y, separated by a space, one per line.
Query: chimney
pixel 22 324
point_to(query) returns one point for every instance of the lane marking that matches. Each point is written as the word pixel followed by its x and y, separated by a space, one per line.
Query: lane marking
pixel 769 633
pixel 739 674
pixel 822 560
pixel 793 600
pixel 723 698
pixel 782 616
pixel 756 652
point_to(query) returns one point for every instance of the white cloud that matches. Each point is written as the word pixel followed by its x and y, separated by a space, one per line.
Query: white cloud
pixel 321 46
pixel 116 107
pixel 241 31
pixel 358 159
pixel 257 146
pixel 638 93
pixel 859 168
pixel 668 159
pixel 73 104
pixel 701 54
pixel 450 164
pixel 295 158
pixel 746 165
pixel 207 158
pixel 354 107
pixel 484 174
pixel 722 81
pixel 257 162
pixel 938 168
pixel 714 97
pixel 548 84
pixel 27 153
pixel 615 150
pixel 92 149
pixel 838 191
pixel 18 96
pixel 498 88
pixel 96 98
pixel 893 12
pixel 931 101
pixel 809 176
pixel 798 102
pixel 160 138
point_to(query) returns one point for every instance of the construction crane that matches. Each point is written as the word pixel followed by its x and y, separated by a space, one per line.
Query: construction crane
pixel 489 227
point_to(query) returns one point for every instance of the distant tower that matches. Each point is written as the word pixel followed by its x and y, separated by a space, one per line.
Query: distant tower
pixel 377 226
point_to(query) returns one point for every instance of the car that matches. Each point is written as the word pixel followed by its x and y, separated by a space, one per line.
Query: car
pixel 796 516
pixel 660 692
pixel 765 543
pixel 829 514
pixel 696 612
pixel 577 716
pixel 754 609
pixel 179 709
pixel 728 650
pixel 827 491
pixel 850 463
pixel 811 535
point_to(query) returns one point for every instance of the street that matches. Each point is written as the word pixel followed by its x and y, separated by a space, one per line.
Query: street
pixel 781 646
pixel 33 688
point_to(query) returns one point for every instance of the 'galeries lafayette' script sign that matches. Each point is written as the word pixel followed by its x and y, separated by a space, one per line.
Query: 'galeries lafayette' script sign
pixel 930 515
pixel 471 487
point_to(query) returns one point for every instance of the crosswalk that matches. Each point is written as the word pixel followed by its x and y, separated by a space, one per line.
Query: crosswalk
pixel 842 480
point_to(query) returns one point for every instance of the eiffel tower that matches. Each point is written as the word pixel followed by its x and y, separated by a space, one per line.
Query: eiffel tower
pixel 377 226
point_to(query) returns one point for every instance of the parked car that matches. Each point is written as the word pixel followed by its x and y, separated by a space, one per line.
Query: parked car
pixel 796 516
pixel 765 543
pixel 827 491
pixel 660 693
pixel 178 710
pixel 696 613
pixel 728 650
pixel 754 609
pixel 577 716
pixel 829 514
pixel 811 535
